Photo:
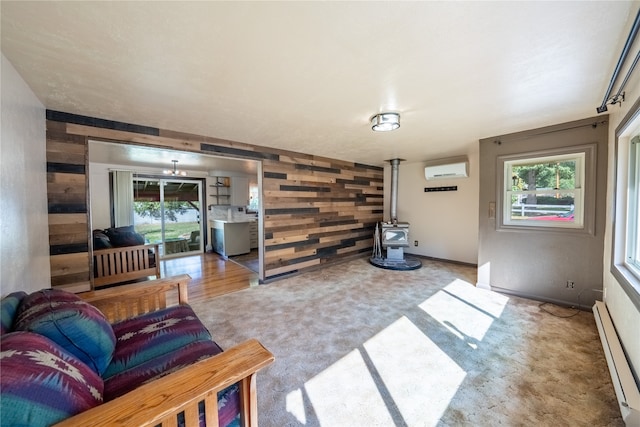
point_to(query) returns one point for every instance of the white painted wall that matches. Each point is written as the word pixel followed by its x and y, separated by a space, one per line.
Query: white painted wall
pixel 624 313
pixel 445 224
pixel 24 226
pixel 99 195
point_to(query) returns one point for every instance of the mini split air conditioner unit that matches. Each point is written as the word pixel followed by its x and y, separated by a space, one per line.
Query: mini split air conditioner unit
pixel 454 169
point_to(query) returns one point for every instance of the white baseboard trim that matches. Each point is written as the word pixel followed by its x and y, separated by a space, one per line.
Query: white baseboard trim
pixel 481 285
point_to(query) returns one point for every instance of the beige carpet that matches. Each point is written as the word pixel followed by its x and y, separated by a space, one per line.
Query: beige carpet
pixel 360 346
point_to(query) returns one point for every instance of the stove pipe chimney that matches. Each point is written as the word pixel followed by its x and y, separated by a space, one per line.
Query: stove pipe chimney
pixel 394 190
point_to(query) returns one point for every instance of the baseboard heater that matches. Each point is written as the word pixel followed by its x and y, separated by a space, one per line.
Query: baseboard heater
pixel 621 375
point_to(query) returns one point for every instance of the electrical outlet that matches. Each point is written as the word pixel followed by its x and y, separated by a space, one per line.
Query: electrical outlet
pixel 415 243
pixel 570 284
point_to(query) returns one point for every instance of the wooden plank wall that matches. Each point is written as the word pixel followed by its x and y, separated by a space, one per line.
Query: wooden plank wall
pixel 67 201
pixel 316 210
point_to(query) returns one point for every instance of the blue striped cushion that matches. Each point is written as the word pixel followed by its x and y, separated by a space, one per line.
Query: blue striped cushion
pixel 125 381
pixel 42 384
pixel 8 308
pixel 73 324
pixel 154 334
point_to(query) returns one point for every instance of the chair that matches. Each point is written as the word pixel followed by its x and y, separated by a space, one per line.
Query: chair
pixel 194 241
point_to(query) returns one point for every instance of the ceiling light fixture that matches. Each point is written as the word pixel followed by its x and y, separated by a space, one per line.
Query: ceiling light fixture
pixel 174 171
pixel 385 122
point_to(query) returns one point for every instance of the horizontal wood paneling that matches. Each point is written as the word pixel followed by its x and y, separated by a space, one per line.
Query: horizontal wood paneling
pixel 316 210
pixel 67 205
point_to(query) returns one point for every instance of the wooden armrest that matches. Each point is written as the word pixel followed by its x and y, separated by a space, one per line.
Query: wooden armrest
pixel 161 400
pixel 122 302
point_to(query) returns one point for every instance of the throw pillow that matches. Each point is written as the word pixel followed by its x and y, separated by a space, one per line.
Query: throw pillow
pixel 76 326
pixel 8 308
pixel 124 236
pixel 42 384
pixel 100 240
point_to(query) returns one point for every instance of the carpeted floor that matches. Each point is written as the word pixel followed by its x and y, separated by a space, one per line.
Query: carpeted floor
pixel 356 345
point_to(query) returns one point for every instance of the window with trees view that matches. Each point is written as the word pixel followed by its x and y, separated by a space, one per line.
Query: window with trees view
pixel 545 191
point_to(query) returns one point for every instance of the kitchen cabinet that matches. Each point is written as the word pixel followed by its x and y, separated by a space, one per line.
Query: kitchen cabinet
pixel 239 191
pixel 230 237
pixel 253 235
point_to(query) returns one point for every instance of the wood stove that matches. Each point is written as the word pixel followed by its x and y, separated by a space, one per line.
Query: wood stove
pixel 394 235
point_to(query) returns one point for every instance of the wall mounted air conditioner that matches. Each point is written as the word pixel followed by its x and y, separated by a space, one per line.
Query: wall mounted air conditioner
pixel 458 168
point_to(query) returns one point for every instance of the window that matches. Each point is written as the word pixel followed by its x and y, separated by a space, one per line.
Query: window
pixel 625 261
pixel 545 191
pixel 254 197
pixel 632 258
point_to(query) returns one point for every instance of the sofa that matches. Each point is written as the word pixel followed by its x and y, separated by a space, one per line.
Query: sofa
pixel 121 357
pixel 120 255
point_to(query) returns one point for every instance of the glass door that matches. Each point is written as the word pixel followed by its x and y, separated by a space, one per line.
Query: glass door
pixel 169 212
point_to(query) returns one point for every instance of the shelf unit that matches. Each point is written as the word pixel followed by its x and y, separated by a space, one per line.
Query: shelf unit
pixel 220 191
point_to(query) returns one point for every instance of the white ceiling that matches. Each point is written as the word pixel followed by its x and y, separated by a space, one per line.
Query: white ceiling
pixel 307 76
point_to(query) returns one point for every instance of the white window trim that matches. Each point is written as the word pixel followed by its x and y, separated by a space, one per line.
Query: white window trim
pixel 625 274
pixel 578 191
pixel 587 176
pixel 632 258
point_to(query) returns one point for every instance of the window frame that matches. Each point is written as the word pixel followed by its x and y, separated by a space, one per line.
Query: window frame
pixel 587 175
pixel 578 191
pixel 624 177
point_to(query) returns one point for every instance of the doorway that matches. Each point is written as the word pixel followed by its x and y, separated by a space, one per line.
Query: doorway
pixel 146 162
pixel 168 211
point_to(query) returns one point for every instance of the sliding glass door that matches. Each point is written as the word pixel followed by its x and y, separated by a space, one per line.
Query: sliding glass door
pixel 169 212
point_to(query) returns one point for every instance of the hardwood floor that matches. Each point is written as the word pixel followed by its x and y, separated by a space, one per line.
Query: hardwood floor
pixel 211 275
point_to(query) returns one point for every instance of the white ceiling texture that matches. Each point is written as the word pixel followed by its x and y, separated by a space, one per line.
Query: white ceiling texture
pixel 308 76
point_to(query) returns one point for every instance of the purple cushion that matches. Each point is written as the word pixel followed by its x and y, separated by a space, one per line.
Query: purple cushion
pixel 159 366
pixel 8 309
pixel 78 327
pixel 154 334
pixel 228 409
pixel 42 384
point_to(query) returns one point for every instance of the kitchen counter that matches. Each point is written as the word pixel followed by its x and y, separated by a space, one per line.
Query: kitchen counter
pixel 230 237
pixel 233 221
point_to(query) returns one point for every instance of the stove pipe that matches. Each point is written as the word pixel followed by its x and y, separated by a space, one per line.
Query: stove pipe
pixel 394 190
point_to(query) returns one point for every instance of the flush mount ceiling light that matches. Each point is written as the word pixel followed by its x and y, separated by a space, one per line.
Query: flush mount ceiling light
pixel 174 171
pixel 385 122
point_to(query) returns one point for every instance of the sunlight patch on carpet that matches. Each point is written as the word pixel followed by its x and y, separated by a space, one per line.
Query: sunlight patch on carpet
pixel 466 311
pixel 418 375
pixel 346 392
pixel 295 406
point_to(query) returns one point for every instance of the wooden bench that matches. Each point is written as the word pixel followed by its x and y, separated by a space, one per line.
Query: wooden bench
pixel 124 264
